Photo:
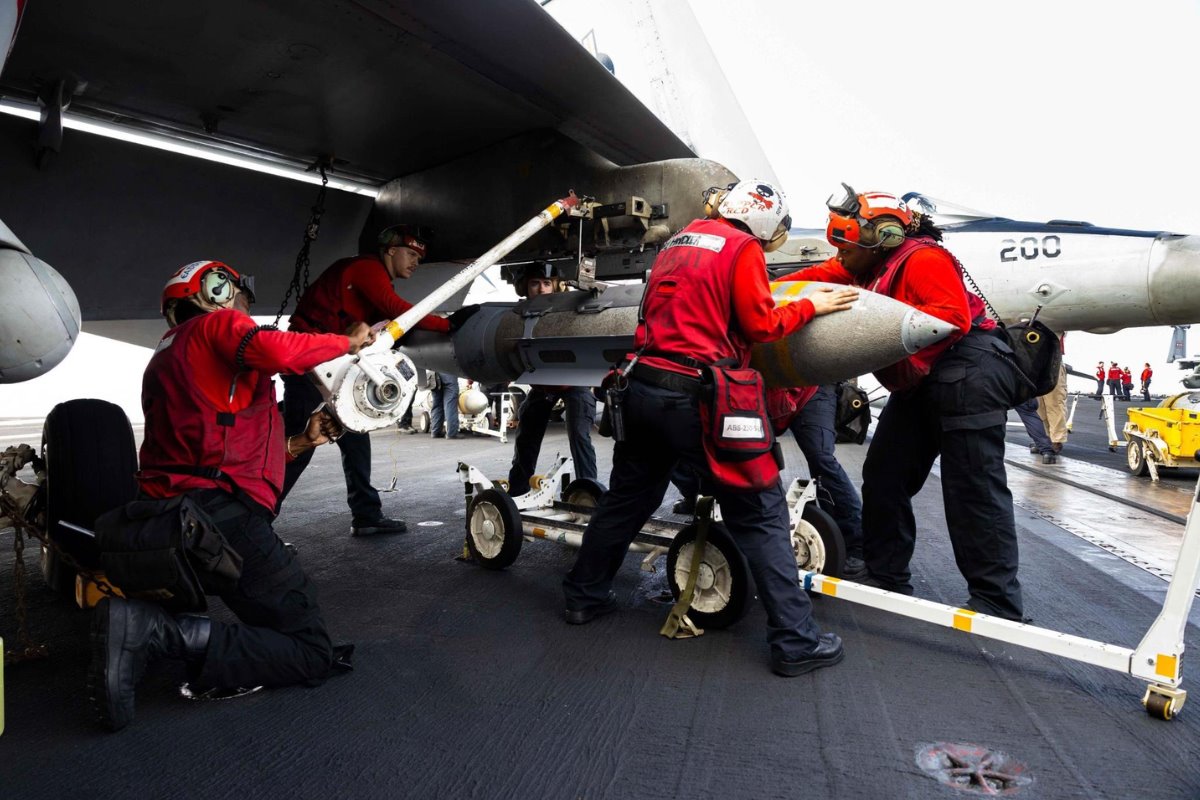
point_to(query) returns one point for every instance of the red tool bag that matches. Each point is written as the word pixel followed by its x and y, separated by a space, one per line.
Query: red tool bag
pixel 738 440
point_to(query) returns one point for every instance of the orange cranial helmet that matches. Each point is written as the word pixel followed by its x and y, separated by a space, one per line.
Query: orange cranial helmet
pixel 869 219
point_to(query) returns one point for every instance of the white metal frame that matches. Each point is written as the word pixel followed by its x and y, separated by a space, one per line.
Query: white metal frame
pixel 1157 659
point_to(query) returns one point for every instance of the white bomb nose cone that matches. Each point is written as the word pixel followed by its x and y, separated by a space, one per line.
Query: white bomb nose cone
pixel 875 332
pixel 472 402
pixel 921 330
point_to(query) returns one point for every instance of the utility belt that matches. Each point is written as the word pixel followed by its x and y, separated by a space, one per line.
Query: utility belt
pixel 169 550
pixel 738 438
pixel 665 379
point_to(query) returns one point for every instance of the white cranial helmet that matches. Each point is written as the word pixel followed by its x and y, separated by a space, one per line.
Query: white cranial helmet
pixel 762 208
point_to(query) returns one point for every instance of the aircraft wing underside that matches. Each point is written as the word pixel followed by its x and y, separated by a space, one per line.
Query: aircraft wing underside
pixel 388 89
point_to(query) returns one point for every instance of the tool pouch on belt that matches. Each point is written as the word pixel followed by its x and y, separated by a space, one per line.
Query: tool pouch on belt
pixel 168 551
pixel 1037 357
pixel 738 441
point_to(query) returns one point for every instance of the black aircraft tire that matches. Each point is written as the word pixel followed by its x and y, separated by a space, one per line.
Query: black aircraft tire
pixel 834 546
pixel 90 464
pixel 723 586
pixel 494 534
pixel 584 492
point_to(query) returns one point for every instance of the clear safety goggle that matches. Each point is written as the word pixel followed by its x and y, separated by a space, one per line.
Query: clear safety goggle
pixel 844 201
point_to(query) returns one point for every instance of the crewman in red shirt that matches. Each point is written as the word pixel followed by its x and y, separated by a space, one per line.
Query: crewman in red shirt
pixel 1127 383
pixel 1147 374
pixel 1100 374
pixel 1114 381
pixel 950 399
pixel 706 303
pixel 213 432
pixel 357 289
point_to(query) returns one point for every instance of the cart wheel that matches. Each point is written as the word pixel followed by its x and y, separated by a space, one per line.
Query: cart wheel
pixel 1135 458
pixel 494 529
pixel 583 492
pixel 723 585
pixel 818 544
pixel 421 422
pixel 90 464
pixel 1159 706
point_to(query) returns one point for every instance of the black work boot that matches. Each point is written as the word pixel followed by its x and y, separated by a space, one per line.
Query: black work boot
pixel 125 635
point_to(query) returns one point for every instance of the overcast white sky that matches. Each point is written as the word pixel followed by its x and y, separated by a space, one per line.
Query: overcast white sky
pixel 1030 110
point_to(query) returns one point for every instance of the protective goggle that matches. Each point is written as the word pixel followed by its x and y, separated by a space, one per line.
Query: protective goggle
pixel 844 202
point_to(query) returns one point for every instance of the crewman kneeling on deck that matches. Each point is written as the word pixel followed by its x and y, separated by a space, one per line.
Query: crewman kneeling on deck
pixel 949 400
pixel 214 433
pixel 706 303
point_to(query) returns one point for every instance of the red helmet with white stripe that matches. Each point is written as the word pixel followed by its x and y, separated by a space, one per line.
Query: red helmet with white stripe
pixel 211 285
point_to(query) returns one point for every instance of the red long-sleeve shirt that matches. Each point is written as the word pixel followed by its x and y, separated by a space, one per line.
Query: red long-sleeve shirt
pixel 755 317
pixel 205 378
pixel 930 282
pixel 213 355
pixel 356 289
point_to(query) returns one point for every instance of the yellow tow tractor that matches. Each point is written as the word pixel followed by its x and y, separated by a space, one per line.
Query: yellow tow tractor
pixel 1166 435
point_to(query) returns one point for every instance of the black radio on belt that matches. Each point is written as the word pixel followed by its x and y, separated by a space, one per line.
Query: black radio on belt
pixel 614 409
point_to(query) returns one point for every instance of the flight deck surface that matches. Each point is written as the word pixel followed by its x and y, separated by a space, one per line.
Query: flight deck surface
pixel 468 684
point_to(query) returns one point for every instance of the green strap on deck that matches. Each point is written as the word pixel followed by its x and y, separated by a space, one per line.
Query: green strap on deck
pixel 678 626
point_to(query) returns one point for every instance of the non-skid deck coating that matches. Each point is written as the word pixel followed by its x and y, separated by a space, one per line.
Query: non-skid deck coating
pixel 469 685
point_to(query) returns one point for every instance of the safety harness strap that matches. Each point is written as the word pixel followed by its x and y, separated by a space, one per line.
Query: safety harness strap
pixel 678 626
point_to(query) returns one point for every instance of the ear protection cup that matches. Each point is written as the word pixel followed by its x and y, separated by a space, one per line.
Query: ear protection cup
pixel 889 234
pixel 712 200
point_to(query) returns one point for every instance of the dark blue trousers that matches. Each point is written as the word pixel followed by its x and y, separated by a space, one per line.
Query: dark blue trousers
pixel 534 416
pixel 300 398
pixel 1034 426
pixel 958 412
pixel 663 427
pixel 814 429
pixel 443 406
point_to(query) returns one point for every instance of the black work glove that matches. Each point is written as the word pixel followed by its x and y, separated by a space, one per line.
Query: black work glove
pixel 460 317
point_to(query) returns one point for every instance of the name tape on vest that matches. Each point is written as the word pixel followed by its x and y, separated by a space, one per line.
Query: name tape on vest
pixel 707 241
pixel 742 428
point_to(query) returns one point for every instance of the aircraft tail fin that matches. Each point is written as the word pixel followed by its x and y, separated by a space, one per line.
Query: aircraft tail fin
pixel 1178 343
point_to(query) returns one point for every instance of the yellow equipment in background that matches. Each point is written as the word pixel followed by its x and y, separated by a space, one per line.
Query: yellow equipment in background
pixel 1167 435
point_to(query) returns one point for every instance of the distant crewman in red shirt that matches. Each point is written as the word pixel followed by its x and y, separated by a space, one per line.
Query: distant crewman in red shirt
pixel 1147 374
pixel 1100 373
pixel 1127 383
pixel 950 399
pixel 357 289
pixel 213 433
pixel 1114 380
